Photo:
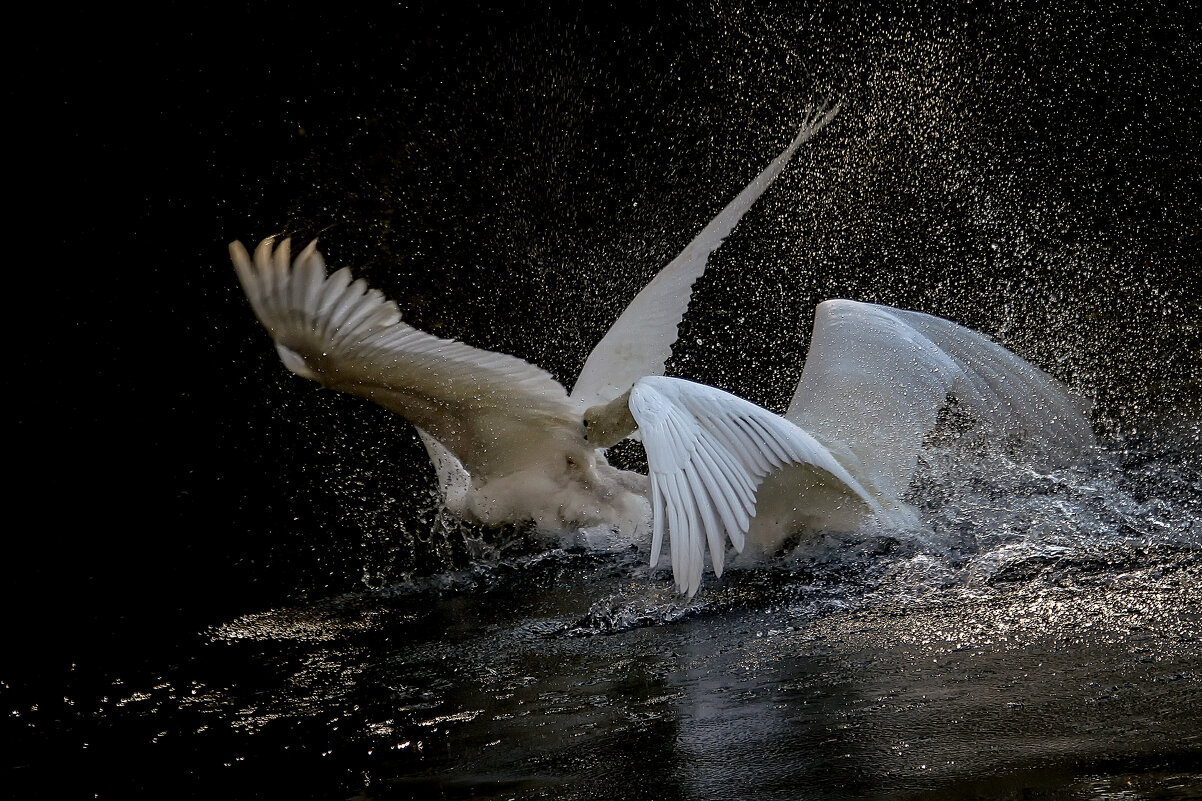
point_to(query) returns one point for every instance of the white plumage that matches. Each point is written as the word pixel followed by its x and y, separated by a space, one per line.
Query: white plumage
pixel 509 444
pixel 708 451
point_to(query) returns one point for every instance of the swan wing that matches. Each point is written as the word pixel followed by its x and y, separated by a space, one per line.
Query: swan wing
pixel 454 482
pixel 488 409
pixel 640 342
pixel 876 378
pixel 707 452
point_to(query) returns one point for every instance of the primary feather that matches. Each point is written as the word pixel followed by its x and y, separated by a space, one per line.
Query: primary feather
pixel 640 342
pixel 707 452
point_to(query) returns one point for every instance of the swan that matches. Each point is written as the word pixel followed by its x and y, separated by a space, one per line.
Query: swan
pixel 510 444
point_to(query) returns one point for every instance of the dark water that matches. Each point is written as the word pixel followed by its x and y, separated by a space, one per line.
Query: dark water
pixel 230 584
pixel 1038 640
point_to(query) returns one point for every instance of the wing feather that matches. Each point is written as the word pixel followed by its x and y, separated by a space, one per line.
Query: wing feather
pixel 486 408
pixel 658 512
pixel 707 452
pixel 876 379
pixel 729 498
pixel 281 261
pixel 738 450
pixel 672 495
pixel 311 272
pixel 692 522
pixel 703 518
pixel 640 342
pixel 331 302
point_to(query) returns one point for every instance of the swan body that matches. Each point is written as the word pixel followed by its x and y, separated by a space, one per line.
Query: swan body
pixel 510 444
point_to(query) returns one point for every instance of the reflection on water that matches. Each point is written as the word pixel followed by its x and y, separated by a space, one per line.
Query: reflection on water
pixel 1021 661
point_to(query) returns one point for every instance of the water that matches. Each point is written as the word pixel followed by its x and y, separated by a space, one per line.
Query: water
pixel 1038 638
pixel 266 600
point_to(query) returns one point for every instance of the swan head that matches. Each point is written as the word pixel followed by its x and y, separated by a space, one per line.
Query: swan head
pixel 607 424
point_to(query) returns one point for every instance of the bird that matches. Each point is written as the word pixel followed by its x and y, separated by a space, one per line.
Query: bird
pixel 510 444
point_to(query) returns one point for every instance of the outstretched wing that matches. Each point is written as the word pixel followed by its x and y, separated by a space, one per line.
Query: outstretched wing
pixel 490 410
pixel 640 342
pixel 876 378
pixel 707 452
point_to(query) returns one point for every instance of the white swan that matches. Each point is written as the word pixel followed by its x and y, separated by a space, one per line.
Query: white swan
pixel 510 444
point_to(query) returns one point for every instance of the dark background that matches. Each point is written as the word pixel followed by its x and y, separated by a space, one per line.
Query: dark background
pixel 512 174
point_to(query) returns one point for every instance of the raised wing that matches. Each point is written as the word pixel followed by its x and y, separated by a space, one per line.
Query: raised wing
pixel 640 342
pixel 707 452
pixel 495 413
pixel 876 378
